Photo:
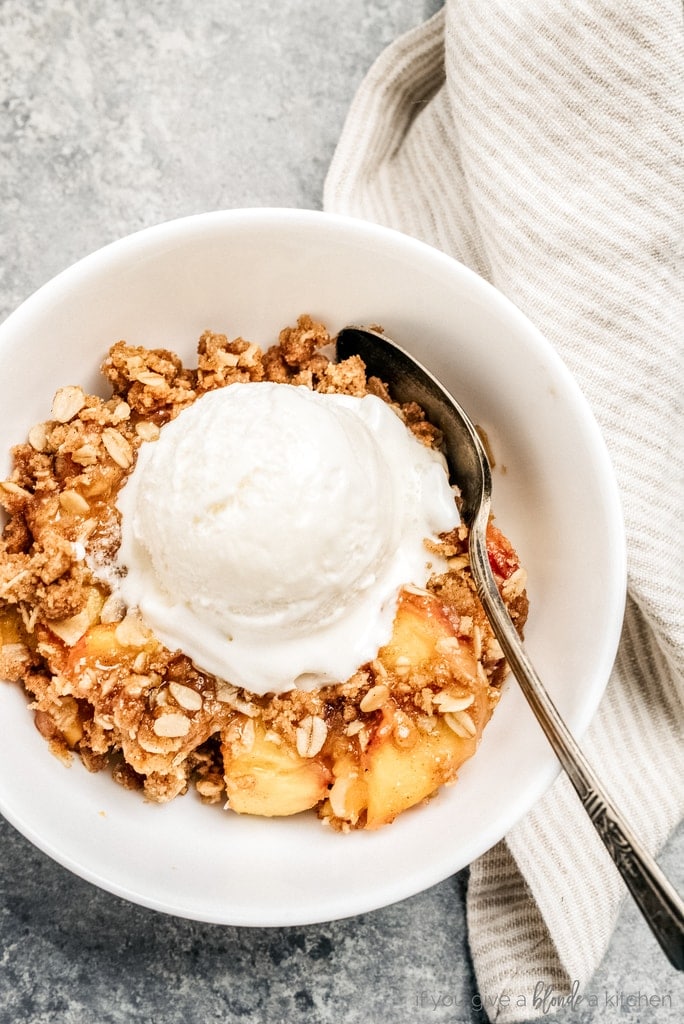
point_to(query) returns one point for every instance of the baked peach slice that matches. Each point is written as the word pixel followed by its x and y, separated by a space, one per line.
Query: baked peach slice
pixel 398 778
pixel 422 635
pixel 11 631
pixel 409 756
pixel 267 777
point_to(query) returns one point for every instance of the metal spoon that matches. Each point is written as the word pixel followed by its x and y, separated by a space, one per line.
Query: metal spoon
pixel 469 468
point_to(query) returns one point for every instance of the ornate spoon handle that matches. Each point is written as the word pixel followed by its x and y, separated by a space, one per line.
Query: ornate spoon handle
pixel 469 468
pixel 656 897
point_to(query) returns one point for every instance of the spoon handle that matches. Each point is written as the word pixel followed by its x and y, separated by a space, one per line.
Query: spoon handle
pixel 656 897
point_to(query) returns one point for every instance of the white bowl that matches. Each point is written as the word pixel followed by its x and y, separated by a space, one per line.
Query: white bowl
pixel 250 272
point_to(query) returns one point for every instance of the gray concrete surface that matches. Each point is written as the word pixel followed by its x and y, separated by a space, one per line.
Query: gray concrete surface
pixel 115 116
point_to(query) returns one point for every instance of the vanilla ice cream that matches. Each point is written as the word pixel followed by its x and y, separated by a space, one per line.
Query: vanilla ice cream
pixel 269 529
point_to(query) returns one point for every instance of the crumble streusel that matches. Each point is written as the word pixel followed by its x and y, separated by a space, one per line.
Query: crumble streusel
pixel 102 684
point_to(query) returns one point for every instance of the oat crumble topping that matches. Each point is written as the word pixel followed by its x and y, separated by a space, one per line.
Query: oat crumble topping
pixel 101 685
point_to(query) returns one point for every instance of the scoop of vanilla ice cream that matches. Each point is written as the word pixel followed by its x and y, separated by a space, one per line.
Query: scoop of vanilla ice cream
pixel 268 530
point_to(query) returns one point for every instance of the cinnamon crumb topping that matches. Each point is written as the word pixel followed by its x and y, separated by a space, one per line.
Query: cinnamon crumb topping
pixel 102 685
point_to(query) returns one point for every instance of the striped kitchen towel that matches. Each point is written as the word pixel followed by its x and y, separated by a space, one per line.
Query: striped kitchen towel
pixel 539 143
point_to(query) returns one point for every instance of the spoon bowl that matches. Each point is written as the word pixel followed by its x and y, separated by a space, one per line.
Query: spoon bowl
pixel 469 469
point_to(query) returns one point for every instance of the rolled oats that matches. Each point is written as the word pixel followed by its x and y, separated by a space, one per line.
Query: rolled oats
pixel 113 610
pixel 247 735
pixel 477 642
pixel 9 487
pixel 446 701
pixel 150 379
pixel 72 629
pixel 374 698
pixel 311 734
pixel 461 723
pixel 72 501
pixel 118 447
pixel 228 358
pixel 38 437
pixel 67 403
pixel 447 645
pixel 86 455
pixel 355 727
pixel 137 683
pixel 465 625
pixel 402 665
pixel 494 652
pixel 188 698
pixel 338 796
pixel 364 738
pixel 379 669
pixel 515 584
pixel 171 725
pixel 248 357
pixel 147 430
pixel 131 632
pixel 227 694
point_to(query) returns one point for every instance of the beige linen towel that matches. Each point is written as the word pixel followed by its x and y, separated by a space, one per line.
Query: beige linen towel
pixel 538 142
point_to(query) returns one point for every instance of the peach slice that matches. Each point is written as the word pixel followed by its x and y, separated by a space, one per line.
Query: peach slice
pixel 270 778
